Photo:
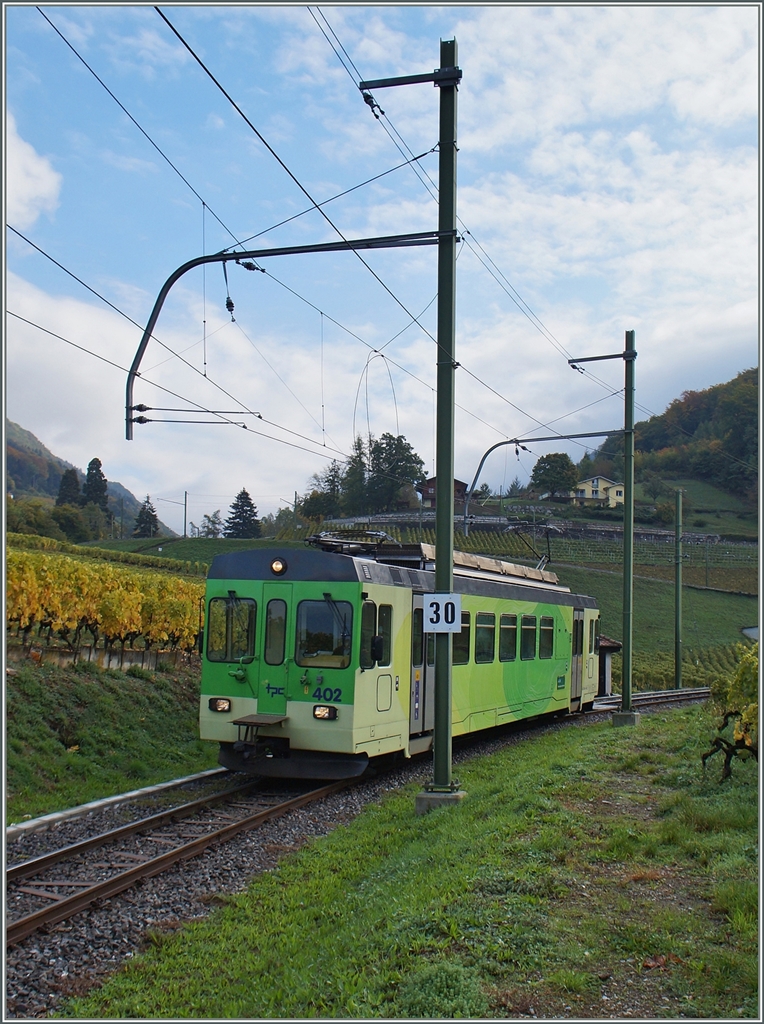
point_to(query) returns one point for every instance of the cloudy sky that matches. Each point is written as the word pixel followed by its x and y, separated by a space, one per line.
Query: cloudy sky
pixel 608 175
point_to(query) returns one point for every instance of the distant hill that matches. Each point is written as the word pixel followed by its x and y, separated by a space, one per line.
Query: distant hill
pixel 710 435
pixel 35 472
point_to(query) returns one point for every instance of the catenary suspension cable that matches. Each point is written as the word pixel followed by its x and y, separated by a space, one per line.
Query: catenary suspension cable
pixel 183 398
pixel 403 147
pixel 137 125
pixel 205 205
pixel 294 178
pixel 331 199
pixel 407 161
pixel 130 319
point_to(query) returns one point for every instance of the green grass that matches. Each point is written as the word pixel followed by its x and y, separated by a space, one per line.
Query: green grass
pixel 79 734
pixel 578 853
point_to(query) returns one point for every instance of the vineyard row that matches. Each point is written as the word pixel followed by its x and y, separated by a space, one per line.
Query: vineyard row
pixel 67 598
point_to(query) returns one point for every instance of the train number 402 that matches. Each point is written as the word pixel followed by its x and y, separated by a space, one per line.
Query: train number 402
pixel 443 613
pixel 328 694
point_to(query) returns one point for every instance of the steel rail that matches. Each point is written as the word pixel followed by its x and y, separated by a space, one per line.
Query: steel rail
pixel 65 908
pixel 28 868
pixel 646 698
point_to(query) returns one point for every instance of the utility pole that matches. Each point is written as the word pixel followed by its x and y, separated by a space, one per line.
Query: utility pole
pixel 678 593
pixel 625 716
pixel 442 789
pixel 185 512
pixel 442 784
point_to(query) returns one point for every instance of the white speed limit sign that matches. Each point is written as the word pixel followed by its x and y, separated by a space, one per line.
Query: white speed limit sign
pixel 443 613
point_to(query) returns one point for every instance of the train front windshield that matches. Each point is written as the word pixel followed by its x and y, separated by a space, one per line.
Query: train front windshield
pixel 324 633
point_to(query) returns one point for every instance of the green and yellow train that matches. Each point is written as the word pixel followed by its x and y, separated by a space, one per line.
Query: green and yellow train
pixel 316 660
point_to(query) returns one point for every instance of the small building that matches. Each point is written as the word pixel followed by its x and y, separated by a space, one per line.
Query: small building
pixel 427 490
pixel 598 490
pixel 608 648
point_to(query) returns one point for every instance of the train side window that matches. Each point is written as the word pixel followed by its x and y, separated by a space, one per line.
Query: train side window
pixel 546 637
pixel 507 638
pixel 231 628
pixel 485 637
pixel 528 638
pixel 417 644
pixel 385 627
pixel 324 632
pixel 368 629
pixel 430 648
pixel 275 632
pixel 461 642
pixel 591 636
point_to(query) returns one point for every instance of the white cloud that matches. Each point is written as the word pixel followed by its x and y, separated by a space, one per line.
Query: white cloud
pixel 131 164
pixel 148 52
pixel 530 71
pixel 32 185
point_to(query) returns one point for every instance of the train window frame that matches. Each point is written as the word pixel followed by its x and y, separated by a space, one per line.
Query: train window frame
pixel 460 642
pixel 368 629
pixel 507 627
pixel 417 637
pixel 527 629
pixel 546 637
pixel 340 614
pixel 230 604
pixel 267 645
pixel 385 630
pixel 485 652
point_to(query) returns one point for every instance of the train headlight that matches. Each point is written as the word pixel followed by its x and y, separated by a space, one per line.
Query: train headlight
pixel 219 704
pixel 278 567
pixel 325 711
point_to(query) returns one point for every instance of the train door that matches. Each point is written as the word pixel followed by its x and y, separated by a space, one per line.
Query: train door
pixel 277 653
pixel 422 707
pixel 577 659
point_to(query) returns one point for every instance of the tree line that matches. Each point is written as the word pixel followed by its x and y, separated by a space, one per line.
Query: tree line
pixel 380 475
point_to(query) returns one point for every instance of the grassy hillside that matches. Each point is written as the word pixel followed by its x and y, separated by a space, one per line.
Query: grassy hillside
pixel 81 733
pixel 191 549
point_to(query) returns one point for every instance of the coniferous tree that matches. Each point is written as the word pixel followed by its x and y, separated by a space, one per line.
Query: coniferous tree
pixel 69 489
pixel 355 499
pixel 147 521
pixel 96 486
pixel 242 518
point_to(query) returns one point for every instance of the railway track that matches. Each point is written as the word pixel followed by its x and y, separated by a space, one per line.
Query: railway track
pixel 654 697
pixel 68 880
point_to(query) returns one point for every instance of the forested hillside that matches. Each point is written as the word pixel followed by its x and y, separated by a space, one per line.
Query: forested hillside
pixel 707 435
pixel 34 472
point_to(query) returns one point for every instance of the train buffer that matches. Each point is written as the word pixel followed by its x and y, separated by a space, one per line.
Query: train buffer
pixel 252 723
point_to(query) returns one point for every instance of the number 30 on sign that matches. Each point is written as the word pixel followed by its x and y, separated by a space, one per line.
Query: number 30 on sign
pixel 443 613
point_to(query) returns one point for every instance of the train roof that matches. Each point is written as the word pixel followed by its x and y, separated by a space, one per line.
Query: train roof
pixel 410 566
